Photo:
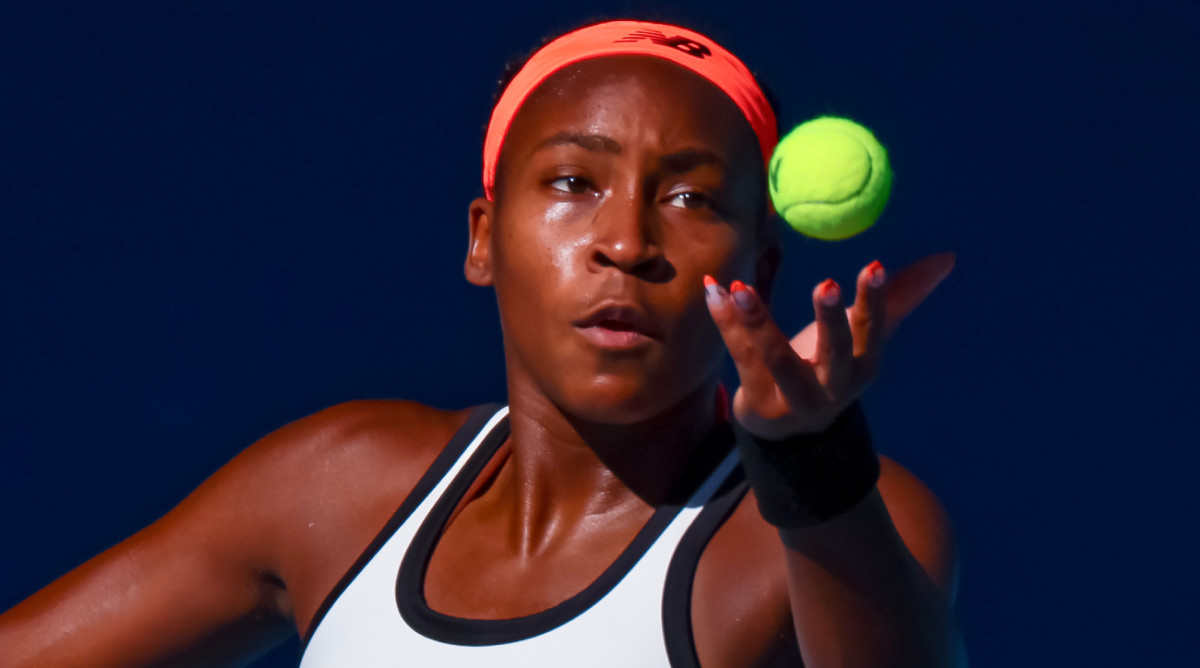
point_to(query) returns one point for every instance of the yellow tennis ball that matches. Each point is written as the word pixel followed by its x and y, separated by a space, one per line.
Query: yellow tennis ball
pixel 829 178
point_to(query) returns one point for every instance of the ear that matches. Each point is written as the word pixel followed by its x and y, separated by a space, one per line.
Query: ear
pixel 766 269
pixel 478 265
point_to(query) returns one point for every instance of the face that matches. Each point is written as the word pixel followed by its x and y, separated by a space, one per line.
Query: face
pixel 621 183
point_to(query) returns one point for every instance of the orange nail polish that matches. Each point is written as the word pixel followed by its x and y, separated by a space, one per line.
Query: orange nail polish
pixel 742 296
pixel 713 291
pixel 877 274
pixel 828 292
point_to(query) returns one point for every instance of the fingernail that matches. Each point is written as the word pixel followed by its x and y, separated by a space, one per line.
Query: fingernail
pixel 742 296
pixel 877 274
pixel 712 290
pixel 828 292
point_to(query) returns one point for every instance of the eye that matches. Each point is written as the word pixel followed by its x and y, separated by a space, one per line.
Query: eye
pixel 690 200
pixel 576 185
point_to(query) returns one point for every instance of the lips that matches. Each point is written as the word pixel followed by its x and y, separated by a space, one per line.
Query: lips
pixel 618 326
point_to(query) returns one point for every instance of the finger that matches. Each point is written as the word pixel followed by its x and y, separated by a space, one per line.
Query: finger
pixel 910 286
pixel 868 319
pixel 757 381
pixel 795 376
pixel 835 345
pixel 765 362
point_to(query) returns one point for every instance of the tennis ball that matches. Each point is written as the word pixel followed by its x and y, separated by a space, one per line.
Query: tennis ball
pixel 829 178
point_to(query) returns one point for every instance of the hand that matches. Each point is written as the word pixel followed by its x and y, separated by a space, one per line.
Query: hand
pixel 800 386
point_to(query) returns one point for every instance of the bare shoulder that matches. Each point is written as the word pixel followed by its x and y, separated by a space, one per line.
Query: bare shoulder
pixel 922 522
pixel 741 614
pixel 314 471
pixel 383 426
pixel 322 487
pixel 361 439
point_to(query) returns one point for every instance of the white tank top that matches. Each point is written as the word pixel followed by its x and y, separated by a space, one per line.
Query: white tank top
pixel 637 613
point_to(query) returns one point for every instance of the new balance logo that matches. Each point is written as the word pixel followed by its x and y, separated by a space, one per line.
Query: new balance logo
pixel 689 46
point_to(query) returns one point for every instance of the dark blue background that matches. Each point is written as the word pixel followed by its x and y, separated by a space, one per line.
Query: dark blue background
pixel 216 217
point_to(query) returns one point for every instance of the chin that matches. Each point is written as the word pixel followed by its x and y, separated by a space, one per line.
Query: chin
pixel 617 400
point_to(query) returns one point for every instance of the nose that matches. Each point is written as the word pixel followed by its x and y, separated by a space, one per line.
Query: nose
pixel 627 237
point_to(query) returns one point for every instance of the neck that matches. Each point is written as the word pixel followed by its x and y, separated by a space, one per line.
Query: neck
pixel 559 457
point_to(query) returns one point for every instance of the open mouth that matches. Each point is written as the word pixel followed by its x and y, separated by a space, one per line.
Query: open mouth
pixel 617 325
pixel 618 328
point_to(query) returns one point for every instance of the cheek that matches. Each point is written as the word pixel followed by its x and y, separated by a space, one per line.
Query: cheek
pixel 566 255
pixel 535 253
pixel 562 235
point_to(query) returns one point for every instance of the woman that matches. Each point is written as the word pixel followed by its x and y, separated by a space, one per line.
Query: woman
pixel 601 518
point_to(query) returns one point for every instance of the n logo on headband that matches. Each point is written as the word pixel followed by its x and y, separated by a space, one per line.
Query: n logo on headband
pixel 678 42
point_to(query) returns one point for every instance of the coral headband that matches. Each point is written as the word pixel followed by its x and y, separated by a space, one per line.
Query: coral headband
pixel 639 38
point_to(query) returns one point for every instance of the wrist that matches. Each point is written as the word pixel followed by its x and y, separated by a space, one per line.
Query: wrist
pixel 809 478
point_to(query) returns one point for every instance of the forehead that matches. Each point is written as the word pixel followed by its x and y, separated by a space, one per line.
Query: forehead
pixel 624 94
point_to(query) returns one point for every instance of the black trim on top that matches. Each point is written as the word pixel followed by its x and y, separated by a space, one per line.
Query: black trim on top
pixel 681 574
pixel 437 470
pixel 410 584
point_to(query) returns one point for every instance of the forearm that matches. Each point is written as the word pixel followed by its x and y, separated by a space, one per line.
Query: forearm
pixel 858 595
pixel 860 598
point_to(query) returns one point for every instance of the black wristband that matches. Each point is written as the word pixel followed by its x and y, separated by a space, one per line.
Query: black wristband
pixel 808 479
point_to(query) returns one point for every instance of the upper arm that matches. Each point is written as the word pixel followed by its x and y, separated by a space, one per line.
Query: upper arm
pixel 188 580
pixel 205 584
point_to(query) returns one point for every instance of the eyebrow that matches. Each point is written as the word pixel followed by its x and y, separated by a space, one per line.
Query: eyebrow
pixel 689 159
pixel 679 162
pixel 596 143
